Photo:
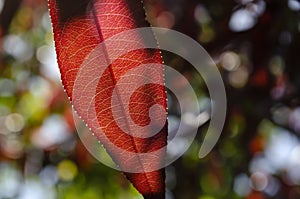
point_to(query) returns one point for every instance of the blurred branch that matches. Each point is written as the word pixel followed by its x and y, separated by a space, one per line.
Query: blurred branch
pixel 9 10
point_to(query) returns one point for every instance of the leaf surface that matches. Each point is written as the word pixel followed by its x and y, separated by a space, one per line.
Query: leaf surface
pixel 79 27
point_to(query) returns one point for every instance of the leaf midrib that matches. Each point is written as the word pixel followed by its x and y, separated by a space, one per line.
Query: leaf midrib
pixel 101 37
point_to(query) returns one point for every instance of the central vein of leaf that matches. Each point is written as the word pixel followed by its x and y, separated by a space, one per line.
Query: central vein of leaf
pixel 114 79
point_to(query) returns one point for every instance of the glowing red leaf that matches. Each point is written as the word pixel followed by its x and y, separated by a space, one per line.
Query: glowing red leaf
pixel 79 27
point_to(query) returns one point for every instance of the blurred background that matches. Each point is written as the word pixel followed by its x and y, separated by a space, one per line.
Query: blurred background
pixel 256 46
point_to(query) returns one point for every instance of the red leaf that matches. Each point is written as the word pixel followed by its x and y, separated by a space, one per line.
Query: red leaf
pixel 79 27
